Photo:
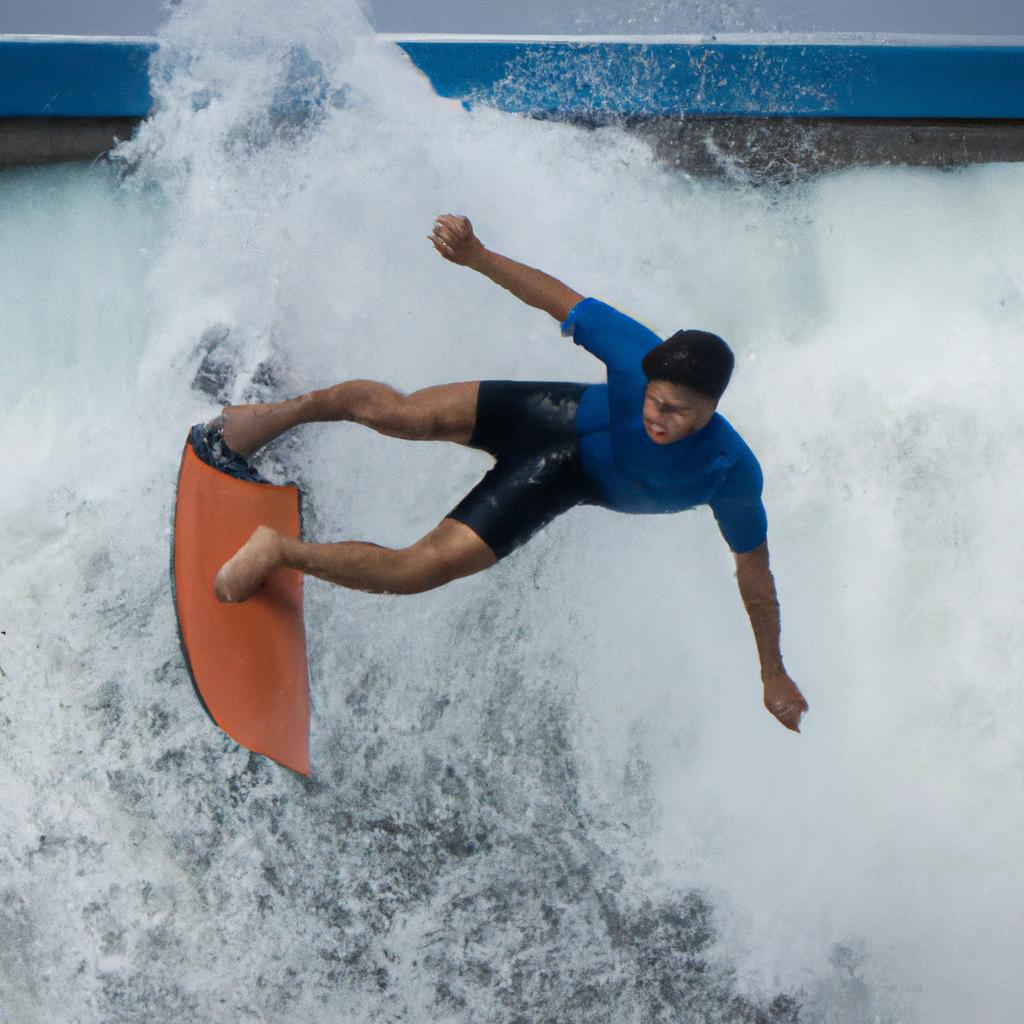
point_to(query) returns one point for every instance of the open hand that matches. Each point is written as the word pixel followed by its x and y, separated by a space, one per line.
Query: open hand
pixel 784 700
pixel 454 239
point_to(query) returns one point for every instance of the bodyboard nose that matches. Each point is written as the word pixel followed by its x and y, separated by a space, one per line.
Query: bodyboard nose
pixel 248 660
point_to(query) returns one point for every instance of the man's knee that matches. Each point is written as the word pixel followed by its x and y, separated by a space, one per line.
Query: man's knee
pixel 371 403
pixel 419 575
pixel 445 412
pixel 382 408
pixel 435 561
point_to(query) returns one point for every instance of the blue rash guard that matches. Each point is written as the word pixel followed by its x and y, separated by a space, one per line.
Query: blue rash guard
pixel 634 474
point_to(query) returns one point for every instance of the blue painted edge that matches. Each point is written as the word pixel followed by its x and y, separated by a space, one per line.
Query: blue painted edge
pixel 74 78
pixel 41 77
pixel 721 79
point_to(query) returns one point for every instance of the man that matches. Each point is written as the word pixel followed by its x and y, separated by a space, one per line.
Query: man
pixel 650 440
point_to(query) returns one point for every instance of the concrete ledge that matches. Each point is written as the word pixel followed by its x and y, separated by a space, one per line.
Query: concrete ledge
pixel 30 141
pixel 785 150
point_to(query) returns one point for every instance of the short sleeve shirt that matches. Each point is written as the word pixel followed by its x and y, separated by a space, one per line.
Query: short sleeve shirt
pixel 634 474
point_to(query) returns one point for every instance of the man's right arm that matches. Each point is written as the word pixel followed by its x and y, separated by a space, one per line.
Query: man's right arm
pixel 454 239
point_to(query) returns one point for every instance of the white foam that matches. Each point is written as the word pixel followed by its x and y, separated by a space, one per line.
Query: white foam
pixel 590 707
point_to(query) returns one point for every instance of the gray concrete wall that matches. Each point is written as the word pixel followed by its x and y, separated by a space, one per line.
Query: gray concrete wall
pixel 29 141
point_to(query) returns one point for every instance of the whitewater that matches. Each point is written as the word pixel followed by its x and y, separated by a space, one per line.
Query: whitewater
pixel 549 792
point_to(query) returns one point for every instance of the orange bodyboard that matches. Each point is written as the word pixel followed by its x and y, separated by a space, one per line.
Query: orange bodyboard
pixel 248 660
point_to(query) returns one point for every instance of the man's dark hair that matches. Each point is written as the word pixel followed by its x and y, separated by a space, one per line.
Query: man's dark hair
pixel 694 359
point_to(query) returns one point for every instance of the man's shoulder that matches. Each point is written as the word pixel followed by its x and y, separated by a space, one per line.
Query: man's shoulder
pixel 592 317
pixel 744 473
pixel 729 437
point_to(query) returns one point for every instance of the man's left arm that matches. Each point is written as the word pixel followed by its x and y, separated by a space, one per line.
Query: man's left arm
pixel 757 589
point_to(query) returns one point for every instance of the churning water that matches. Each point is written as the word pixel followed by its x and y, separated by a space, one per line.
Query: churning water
pixel 547 793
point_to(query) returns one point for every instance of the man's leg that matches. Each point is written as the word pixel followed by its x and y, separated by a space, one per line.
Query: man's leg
pixel 450 551
pixel 443 413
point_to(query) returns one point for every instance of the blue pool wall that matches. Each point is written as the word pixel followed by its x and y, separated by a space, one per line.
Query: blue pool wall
pixel 44 77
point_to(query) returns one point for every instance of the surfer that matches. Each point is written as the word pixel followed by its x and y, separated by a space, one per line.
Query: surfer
pixel 649 440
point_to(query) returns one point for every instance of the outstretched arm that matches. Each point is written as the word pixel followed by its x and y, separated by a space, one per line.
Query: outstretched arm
pixel 454 239
pixel 757 588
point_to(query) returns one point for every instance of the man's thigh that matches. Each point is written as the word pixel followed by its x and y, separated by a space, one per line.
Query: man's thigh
pixel 447 411
pixel 521 494
pixel 449 552
pixel 524 416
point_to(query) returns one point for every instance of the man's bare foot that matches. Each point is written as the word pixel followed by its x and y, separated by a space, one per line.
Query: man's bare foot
pixel 248 569
pixel 245 427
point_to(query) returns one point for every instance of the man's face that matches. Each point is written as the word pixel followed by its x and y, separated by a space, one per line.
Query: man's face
pixel 673 411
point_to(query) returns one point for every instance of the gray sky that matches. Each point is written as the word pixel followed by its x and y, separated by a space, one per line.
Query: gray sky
pixel 979 17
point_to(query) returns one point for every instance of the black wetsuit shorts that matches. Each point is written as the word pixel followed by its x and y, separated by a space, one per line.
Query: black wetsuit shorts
pixel 529 428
